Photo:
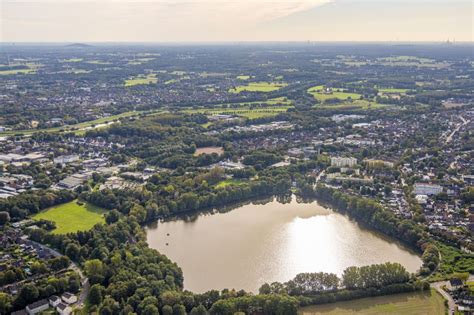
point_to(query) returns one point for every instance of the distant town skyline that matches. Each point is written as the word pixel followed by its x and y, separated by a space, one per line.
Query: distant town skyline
pixel 240 20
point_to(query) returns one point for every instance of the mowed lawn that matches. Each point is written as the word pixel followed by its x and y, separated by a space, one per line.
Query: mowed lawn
pixel 72 217
pixel 420 303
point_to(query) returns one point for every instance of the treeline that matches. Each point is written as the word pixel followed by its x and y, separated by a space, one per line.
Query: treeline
pixel 356 282
pixel 31 202
pixel 167 195
pixel 371 213
pixel 353 278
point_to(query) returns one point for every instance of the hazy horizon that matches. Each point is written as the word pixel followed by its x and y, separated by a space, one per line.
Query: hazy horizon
pixel 225 21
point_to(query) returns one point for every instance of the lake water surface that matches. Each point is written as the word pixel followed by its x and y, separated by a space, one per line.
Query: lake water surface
pixel 258 243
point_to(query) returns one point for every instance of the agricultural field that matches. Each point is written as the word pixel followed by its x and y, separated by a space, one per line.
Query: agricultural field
pixel 258 87
pixel 141 79
pixel 420 303
pixel 31 69
pixel 321 95
pixel 243 77
pixel 72 217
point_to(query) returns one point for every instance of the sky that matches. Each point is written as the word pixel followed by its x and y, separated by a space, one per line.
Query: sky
pixel 235 20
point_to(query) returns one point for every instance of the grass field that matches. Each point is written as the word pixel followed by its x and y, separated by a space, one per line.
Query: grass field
pixel 230 182
pixel 318 93
pixel 32 67
pixel 420 303
pixel 72 217
pixel 258 87
pixel 243 77
pixel 392 90
pixel 142 79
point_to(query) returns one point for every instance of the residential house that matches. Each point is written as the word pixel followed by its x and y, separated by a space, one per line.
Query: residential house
pixel 37 307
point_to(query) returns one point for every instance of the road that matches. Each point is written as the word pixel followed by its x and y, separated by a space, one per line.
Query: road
pixel 438 286
pixel 464 122
pixel 84 280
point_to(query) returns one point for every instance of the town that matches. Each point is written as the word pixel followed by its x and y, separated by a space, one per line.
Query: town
pixel 93 137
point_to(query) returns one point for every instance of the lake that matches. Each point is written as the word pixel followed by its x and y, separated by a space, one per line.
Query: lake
pixel 257 243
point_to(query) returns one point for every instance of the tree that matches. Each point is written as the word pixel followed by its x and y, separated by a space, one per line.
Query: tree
pixel 72 251
pixel 5 303
pixel 112 216
pixel 167 310
pixel 4 217
pixel 29 293
pixel 95 270
pixel 199 310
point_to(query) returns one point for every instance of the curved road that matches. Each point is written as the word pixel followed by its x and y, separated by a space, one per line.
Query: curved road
pixel 438 286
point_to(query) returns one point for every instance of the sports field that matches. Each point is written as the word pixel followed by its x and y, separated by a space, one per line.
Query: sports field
pixel 72 217
pixel 420 303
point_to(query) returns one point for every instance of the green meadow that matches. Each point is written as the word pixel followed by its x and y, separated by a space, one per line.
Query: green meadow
pixel 141 79
pixel 72 217
pixel 420 303
pixel 32 68
pixel 258 87
pixel 230 182
pixel 318 93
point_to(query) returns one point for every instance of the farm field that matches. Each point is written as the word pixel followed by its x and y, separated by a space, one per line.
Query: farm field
pixel 258 87
pixel 32 67
pixel 420 303
pixel 142 79
pixel 318 93
pixel 243 77
pixel 72 217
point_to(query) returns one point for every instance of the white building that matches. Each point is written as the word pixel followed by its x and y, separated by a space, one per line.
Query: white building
pixel 64 309
pixel 69 298
pixel 343 161
pixel 54 300
pixel 427 189
pixel 37 307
